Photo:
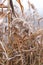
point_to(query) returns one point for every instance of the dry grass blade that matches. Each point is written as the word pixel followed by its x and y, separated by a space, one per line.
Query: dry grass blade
pixel 21 6
pixel 12 7
pixel 39 32
pixel 32 6
pixel 3 1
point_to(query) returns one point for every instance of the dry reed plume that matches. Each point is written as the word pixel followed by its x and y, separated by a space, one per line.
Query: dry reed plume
pixel 21 36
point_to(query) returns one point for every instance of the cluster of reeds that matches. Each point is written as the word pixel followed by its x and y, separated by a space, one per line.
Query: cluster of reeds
pixel 21 37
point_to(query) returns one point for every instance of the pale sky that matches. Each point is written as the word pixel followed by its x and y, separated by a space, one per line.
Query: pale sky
pixel 37 3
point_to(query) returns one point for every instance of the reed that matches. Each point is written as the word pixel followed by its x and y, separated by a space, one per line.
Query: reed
pixel 21 41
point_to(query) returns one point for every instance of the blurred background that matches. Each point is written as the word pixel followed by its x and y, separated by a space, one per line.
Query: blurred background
pixel 37 3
